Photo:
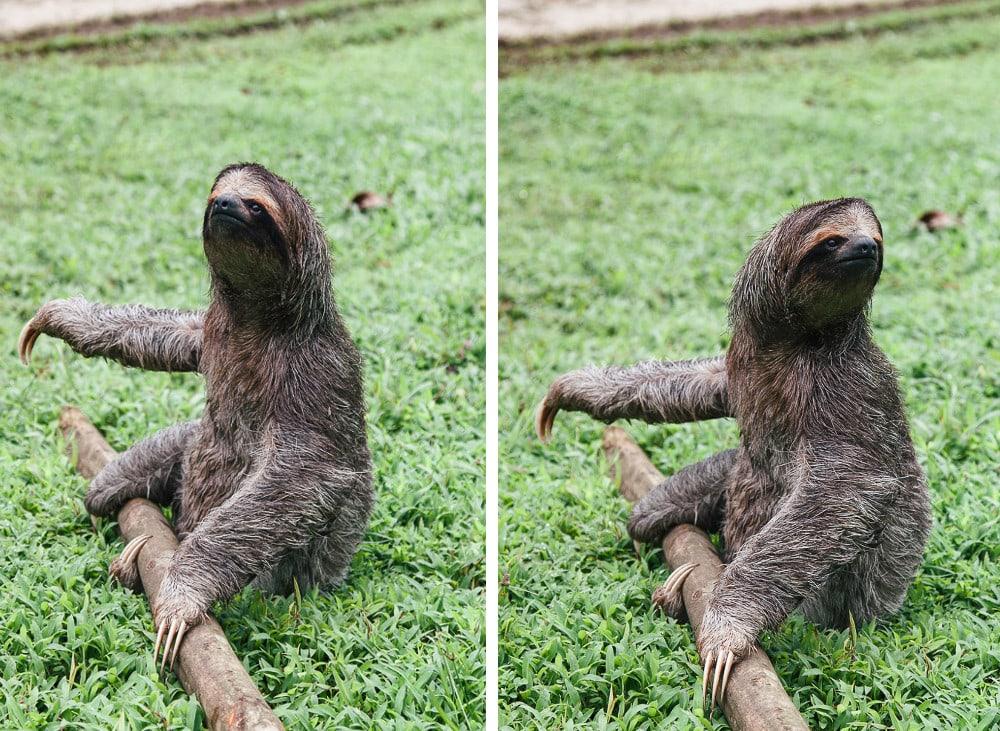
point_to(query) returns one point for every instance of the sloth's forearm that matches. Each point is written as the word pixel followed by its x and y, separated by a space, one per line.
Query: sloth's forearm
pixel 275 515
pixel 654 391
pixel 134 335
pixel 791 559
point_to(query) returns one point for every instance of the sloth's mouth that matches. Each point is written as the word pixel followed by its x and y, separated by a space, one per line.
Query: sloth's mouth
pixel 228 218
pixel 859 258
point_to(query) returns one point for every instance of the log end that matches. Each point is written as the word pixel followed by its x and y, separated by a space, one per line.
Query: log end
pixel 71 417
pixel 247 714
pixel 614 437
pixel 628 465
pixel 85 446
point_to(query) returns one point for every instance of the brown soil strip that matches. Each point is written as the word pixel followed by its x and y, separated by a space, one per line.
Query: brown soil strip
pixel 104 35
pixel 519 55
pixel 236 9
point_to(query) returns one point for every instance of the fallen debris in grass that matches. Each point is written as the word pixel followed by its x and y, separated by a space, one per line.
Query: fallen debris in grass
pixel 366 201
pixel 935 220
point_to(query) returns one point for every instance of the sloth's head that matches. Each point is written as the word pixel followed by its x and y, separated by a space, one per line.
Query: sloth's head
pixel 261 237
pixel 817 267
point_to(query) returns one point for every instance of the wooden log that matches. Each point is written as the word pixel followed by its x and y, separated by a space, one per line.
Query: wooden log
pixel 755 699
pixel 206 665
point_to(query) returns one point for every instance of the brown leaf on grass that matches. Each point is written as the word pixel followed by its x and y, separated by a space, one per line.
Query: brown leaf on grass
pixel 935 220
pixel 366 200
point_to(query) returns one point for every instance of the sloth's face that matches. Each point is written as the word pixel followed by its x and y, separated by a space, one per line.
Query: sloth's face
pixel 836 264
pixel 243 229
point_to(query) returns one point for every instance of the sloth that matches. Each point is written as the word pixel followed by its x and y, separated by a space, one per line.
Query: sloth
pixel 272 486
pixel 823 506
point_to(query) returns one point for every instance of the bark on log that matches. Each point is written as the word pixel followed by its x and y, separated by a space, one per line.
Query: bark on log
pixel 755 699
pixel 206 665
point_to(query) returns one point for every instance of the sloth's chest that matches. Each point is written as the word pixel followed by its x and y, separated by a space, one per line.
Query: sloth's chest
pixel 244 385
pixel 773 401
pixel 787 408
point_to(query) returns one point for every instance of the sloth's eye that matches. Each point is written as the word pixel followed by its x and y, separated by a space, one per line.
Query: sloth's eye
pixel 255 208
pixel 833 242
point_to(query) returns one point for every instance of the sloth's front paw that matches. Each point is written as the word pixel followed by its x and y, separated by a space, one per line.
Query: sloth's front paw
pixel 722 643
pixel 174 613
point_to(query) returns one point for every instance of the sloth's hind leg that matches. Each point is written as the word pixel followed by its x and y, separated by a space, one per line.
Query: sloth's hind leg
pixel 874 584
pixel 150 469
pixel 695 494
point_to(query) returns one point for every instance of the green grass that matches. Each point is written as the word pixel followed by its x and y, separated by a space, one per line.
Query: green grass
pixel 630 193
pixel 107 158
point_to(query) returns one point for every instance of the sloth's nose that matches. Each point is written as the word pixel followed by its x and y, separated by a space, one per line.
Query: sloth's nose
pixel 862 246
pixel 228 203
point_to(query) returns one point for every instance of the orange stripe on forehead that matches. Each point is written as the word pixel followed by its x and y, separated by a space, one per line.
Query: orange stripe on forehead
pixel 844 224
pixel 825 232
pixel 245 185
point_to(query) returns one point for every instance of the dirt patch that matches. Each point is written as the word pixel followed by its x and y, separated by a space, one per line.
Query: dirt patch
pixel 28 29
pixel 520 54
pixel 522 20
pixel 203 21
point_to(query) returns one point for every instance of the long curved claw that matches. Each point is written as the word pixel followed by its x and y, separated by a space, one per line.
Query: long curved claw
pixel 26 341
pixel 715 682
pixel 721 671
pixel 676 580
pixel 159 638
pixel 704 677
pixel 166 644
pixel 177 643
pixel 131 552
pixel 545 417
pixel 668 597
pixel 124 569
pixel 175 630
pixel 730 659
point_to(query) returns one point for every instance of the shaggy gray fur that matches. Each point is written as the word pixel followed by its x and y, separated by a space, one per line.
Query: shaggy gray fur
pixel 823 506
pixel 274 482
pixel 655 391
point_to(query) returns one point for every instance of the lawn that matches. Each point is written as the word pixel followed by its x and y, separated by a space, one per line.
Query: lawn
pixel 634 178
pixel 107 157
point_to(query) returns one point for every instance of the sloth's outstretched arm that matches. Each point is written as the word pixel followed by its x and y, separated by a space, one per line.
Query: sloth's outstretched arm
pixel 134 335
pixel 654 391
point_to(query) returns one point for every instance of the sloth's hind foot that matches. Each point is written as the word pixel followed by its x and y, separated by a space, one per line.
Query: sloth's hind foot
pixel 668 597
pixel 124 569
